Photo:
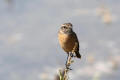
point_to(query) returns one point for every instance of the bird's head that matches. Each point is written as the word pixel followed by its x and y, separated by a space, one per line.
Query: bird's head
pixel 66 28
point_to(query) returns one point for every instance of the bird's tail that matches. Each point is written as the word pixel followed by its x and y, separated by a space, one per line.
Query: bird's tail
pixel 78 55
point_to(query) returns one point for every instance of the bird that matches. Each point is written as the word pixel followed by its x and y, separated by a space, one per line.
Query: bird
pixel 68 39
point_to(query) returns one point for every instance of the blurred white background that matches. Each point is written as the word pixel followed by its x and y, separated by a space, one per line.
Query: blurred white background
pixel 29 49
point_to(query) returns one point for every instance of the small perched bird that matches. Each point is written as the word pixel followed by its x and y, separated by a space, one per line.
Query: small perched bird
pixel 68 39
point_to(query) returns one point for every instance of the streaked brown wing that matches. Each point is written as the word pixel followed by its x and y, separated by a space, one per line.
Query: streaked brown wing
pixel 76 41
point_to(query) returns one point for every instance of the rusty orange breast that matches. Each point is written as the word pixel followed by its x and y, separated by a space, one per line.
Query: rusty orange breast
pixel 67 41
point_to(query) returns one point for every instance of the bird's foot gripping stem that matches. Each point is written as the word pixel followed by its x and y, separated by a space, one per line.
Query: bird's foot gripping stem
pixel 69 61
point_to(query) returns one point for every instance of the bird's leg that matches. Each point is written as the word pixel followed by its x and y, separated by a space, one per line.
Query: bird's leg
pixel 67 60
pixel 71 54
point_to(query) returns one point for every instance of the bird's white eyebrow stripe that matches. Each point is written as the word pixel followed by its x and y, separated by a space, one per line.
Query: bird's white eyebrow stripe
pixel 62 25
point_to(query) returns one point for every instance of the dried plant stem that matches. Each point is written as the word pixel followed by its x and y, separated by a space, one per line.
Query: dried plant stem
pixel 68 62
pixel 64 74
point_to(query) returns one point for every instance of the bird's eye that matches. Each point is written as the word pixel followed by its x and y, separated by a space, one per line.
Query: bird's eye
pixel 64 27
